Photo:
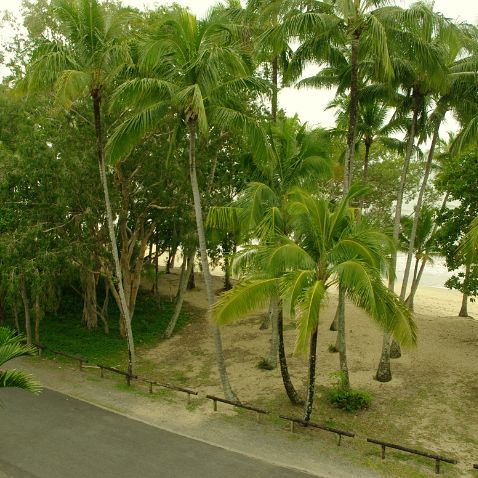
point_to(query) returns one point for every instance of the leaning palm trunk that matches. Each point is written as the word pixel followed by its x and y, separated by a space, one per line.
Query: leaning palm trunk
pixel 348 172
pixel 341 344
pixel 284 370
pixel 96 96
pixel 311 379
pixel 274 350
pixel 384 373
pixel 415 284
pixel 418 208
pixel 183 283
pixel 221 363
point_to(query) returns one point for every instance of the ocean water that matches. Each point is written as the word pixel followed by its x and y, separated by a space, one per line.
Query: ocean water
pixel 434 275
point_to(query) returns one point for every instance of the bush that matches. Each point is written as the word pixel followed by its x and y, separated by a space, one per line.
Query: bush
pixel 349 400
pixel 264 364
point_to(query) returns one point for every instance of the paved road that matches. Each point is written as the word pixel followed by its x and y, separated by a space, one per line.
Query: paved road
pixel 55 436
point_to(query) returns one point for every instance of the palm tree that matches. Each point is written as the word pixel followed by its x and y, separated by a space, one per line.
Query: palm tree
pixel 417 38
pixel 196 72
pixel 83 62
pixel 329 248
pixel 300 158
pixel 11 347
pixel 349 38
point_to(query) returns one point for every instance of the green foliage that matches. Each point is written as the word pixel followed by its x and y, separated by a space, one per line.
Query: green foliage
pixel 11 346
pixel 346 399
pixel 264 364
pixel 63 331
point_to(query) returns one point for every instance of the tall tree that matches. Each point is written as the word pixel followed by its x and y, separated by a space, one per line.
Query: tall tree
pixel 197 70
pixel 83 63
pixel 328 247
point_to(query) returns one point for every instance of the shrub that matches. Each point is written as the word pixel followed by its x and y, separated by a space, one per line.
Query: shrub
pixel 349 400
pixel 264 364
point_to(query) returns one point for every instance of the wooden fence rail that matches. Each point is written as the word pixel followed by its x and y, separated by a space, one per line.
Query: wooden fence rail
pixel 127 375
pixel 259 411
pixel 81 360
pixel 338 432
pixel 438 459
pixel 168 385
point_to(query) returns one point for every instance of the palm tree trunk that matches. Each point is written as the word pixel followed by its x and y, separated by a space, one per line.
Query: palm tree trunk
pixel 353 115
pixel 274 350
pixel 26 307
pixel 37 310
pixel 387 348
pixel 15 318
pixel 96 97
pixel 418 207
pixel 464 301
pixel 311 379
pixel 416 283
pixel 384 373
pixel 221 363
pixel 348 172
pixel 288 385
pixel 411 297
pixel 275 84
pixel 183 283
pixel 368 145
pixel 341 344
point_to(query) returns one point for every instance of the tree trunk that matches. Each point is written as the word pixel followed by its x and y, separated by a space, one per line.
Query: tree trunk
pixel 274 349
pixel 353 115
pixel 368 145
pixel 15 318
pixel 227 270
pixel 104 309
pixel 386 348
pixel 464 301
pixel 275 87
pixel 221 363
pixel 88 282
pixel 182 273
pixel 311 379
pixel 333 325
pixel 288 385
pixel 416 283
pixel 3 315
pixel 192 277
pixel 183 282
pixel 411 297
pixel 38 316
pixel 171 259
pixel 96 97
pixel 384 374
pixel 418 207
pixel 26 307
pixel 341 343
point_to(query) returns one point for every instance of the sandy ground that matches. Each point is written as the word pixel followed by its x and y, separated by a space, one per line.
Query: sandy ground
pixel 431 403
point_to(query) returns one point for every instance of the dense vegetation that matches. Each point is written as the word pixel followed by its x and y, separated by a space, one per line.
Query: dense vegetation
pixel 180 117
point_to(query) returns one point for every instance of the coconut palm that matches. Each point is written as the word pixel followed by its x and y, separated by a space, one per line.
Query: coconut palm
pixel 418 37
pixel 82 63
pixel 329 248
pixel 299 158
pixel 196 72
pixel 11 347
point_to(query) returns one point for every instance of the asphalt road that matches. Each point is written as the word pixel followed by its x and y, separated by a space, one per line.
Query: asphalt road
pixel 56 436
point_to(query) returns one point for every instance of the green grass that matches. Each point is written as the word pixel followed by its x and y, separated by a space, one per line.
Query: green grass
pixel 64 332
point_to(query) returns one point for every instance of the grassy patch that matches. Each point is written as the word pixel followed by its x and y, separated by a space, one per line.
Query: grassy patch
pixel 63 331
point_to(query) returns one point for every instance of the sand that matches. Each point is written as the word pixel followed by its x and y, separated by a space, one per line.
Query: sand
pixel 431 403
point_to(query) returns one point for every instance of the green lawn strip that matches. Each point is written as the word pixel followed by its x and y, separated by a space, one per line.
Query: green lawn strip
pixel 63 331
